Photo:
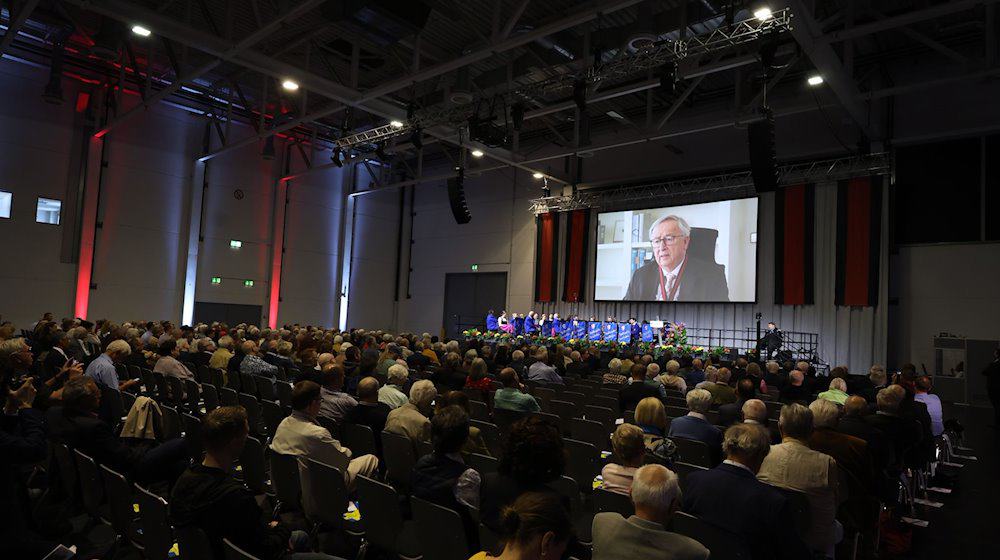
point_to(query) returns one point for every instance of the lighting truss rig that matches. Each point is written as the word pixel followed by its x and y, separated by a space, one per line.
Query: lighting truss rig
pixel 715 186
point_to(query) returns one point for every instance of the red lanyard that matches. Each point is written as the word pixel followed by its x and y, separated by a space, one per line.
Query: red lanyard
pixel 676 286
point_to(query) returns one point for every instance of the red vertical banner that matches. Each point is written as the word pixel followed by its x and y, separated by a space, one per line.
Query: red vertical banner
pixel 794 245
pixel 577 244
pixel 859 231
pixel 546 236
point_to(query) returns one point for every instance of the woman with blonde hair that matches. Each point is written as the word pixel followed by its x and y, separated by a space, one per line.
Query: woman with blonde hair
pixel 630 452
pixel 651 418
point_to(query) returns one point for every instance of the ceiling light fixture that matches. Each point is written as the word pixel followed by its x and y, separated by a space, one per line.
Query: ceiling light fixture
pixel 289 85
pixel 396 124
pixel 537 175
pixel 762 13
pixel 815 80
pixel 141 31
pixel 477 153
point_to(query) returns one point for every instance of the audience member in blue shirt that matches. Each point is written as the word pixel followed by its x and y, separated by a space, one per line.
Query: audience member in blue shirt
pixel 102 369
pixel 541 371
pixel 933 403
pixel 696 426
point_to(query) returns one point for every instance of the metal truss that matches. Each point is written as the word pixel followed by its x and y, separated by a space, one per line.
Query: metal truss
pixel 715 186
pixel 371 136
pixel 662 52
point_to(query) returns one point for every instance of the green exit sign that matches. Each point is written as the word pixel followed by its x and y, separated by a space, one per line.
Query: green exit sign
pixel 475 267
pixel 216 280
pixel 248 283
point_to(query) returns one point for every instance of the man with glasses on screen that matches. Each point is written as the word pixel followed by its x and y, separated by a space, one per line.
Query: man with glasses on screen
pixel 673 274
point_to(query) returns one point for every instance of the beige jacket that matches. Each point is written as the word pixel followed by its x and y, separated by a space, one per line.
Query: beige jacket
pixel 142 419
pixel 299 435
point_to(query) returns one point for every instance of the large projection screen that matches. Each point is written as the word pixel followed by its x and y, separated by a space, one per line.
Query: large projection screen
pixel 694 253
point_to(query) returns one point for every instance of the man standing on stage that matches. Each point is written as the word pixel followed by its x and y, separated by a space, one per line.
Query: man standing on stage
pixel 672 275
pixel 770 343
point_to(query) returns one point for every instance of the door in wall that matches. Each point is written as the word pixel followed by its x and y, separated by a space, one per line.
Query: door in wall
pixel 469 296
pixel 230 313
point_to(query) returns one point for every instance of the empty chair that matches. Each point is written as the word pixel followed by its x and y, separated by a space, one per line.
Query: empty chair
pixel 128 399
pixel 120 499
pixel 171 423
pixel 91 488
pixel 324 494
pixel 544 395
pixel 675 411
pixel 112 402
pixel 606 402
pixel 448 542
pixel 594 433
pixel 148 382
pixel 228 397
pixel 474 394
pixel 484 464
pixel 248 384
pixel 583 464
pixel 265 387
pixel 683 469
pixel 491 435
pixel 553 419
pixel 399 458
pixel 249 402
pixel 284 393
pixel 68 479
pixel 218 377
pixel 233 381
pixel 271 415
pixel 385 528
pixel 192 435
pixel 606 500
pixel 504 418
pixel 162 389
pixel 210 394
pixel 602 414
pixel 721 542
pixel 203 374
pixel 192 394
pixel 479 411
pixel 157 537
pixel 176 387
pixel 798 506
pixel 582 519
pixel 285 480
pixel 193 542
pixel 359 439
pixel 693 452
pixel 252 465
pixel 579 399
pixel 565 410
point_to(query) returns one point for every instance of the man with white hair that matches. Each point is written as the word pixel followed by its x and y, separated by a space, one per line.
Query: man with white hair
pixel 674 274
pixel 696 425
pixel 837 393
pixel 102 369
pixel 792 464
pixel 412 419
pixel 730 496
pixel 392 393
pixel 220 358
pixel 795 390
pixel 851 453
pixel 656 495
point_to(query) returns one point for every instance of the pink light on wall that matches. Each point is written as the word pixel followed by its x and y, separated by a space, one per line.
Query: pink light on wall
pixel 88 227
pixel 277 250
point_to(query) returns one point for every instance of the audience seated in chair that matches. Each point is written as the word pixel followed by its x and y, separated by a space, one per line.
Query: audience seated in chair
pixel 630 452
pixel 511 396
pixel 369 411
pixel 336 403
pixel 299 434
pixel 393 393
pixel 696 426
pixel 535 527
pixel 411 419
pixel 656 496
pixel 637 389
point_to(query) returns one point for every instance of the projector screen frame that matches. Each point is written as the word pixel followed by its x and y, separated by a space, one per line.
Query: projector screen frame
pixel 622 208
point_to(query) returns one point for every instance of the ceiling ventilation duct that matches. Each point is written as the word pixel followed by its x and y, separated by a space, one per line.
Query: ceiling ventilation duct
pixel 461 90
pixel 643 37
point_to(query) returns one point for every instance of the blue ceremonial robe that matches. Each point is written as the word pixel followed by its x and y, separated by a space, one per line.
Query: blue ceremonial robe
pixel 580 330
pixel 566 330
pixel 529 325
pixel 624 333
pixel 556 328
pixel 594 331
pixel 519 325
pixel 610 331
pixel 636 330
pixel 491 323
pixel 647 333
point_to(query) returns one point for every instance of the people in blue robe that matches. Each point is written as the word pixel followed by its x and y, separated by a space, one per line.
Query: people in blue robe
pixel 594 330
pixel 491 322
pixel 579 329
pixel 624 333
pixel 647 332
pixel 518 324
pixel 634 329
pixel 556 325
pixel 529 323
pixel 610 330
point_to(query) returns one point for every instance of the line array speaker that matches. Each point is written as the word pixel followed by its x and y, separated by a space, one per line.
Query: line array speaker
pixel 763 160
pixel 456 197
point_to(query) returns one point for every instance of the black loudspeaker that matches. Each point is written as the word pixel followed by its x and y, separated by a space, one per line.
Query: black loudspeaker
pixel 763 160
pixel 456 197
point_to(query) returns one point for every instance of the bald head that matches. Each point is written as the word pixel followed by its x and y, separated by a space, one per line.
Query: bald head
pixel 368 390
pixel 855 406
pixel 756 410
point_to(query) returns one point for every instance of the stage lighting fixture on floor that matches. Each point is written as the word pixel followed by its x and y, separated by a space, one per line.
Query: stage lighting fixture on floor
pixel 268 152
pixel 815 80
pixel 337 156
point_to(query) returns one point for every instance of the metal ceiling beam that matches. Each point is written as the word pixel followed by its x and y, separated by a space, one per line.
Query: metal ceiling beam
pixel 226 54
pixel 16 21
pixel 514 17
pixel 809 35
pixel 908 18
pixel 679 102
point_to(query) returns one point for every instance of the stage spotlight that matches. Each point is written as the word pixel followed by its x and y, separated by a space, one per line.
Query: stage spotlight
pixel 546 191
pixel 762 13
pixel 141 31
pixel 537 175
pixel 290 85
pixel 337 156
pixel 815 80
pixel 268 152
pixel 477 153
pixel 668 76
pixel 396 124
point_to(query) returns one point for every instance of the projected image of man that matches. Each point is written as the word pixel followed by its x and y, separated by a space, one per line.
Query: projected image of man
pixel 675 274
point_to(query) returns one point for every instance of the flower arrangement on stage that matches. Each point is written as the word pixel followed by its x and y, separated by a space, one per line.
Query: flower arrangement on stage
pixel 471 333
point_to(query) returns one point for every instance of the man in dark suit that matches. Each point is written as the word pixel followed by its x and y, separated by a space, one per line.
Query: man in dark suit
pixel 730 497
pixel 369 411
pixel 77 425
pixel 57 355
pixel 578 367
pixel 672 275
pixel 696 426
pixel 851 453
pixel 852 423
pixel 730 413
pixel 630 395
pixel 903 433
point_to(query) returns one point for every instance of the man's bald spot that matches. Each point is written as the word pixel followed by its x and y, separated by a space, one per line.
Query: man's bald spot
pixel 367 387
pixel 755 409
pixel 855 405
